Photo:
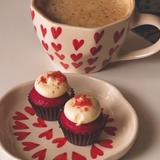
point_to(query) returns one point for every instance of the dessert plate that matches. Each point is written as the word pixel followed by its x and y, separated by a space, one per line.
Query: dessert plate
pixel 25 136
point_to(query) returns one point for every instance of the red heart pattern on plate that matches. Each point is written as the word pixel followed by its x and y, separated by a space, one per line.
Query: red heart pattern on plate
pixel 21 135
pixel 48 134
pixel 118 35
pixel 96 151
pixel 76 57
pixel 20 116
pixel 30 110
pixel 20 125
pixel 58 142
pixel 56 32
pixel 98 36
pixel 40 123
pixel 29 145
pixel 40 154
pixel 77 44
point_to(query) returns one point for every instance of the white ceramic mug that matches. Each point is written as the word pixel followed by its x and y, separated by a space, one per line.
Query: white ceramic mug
pixel 85 50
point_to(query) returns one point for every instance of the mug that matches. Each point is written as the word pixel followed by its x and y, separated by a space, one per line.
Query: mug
pixel 86 50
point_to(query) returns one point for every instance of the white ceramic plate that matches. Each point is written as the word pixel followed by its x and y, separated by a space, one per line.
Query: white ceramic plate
pixel 24 136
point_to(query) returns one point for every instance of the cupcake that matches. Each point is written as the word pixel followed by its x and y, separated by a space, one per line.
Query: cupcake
pixel 81 120
pixel 49 94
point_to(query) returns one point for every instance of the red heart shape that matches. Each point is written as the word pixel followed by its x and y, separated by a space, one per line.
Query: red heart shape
pixel 77 156
pixel 32 15
pixel 92 60
pixel 89 69
pixel 57 47
pixel 108 118
pixel 62 156
pixel 76 57
pixel 95 50
pixel 105 143
pixel 118 35
pixel 45 45
pixel 77 65
pixel 110 130
pixel 98 36
pixel 29 145
pixel 21 135
pixel 30 110
pixel 65 65
pixel 77 44
pixel 61 141
pixel 40 154
pixel 20 125
pixel 105 62
pixel 41 123
pixel 96 151
pixel 20 116
pixel 48 134
pixel 112 50
pixel 60 56
pixel 56 32
pixel 43 30
pixel 35 28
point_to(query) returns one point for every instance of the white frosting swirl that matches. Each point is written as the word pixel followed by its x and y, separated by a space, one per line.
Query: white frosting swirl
pixel 82 109
pixel 52 84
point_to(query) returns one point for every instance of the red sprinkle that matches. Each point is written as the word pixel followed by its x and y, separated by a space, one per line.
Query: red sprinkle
pixel 58 76
pixel 81 101
pixel 43 80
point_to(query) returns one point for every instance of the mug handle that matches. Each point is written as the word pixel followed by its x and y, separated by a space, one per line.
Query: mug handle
pixel 138 20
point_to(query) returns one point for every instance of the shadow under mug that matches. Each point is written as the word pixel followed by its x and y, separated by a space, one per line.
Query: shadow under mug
pixel 86 50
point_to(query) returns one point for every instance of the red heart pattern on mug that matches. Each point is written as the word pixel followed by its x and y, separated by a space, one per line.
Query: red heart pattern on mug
pixel 29 145
pixel 60 56
pixel 76 57
pixel 77 65
pixel 45 45
pixel 57 47
pixel 77 44
pixel 56 32
pixel 112 50
pixel 92 60
pixel 65 65
pixel 105 62
pixel 118 35
pixel 43 30
pixel 98 36
pixel 32 15
pixel 95 50
pixel 89 69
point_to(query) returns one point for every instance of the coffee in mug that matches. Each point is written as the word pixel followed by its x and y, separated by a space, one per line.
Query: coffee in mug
pixel 85 13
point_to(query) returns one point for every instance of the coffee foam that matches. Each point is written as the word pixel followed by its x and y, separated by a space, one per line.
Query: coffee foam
pixel 85 13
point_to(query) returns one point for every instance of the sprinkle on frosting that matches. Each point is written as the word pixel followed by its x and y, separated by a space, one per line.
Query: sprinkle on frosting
pixel 82 109
pixel 52 84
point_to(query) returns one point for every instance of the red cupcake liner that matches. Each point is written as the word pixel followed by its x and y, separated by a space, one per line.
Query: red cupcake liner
pixel 81 139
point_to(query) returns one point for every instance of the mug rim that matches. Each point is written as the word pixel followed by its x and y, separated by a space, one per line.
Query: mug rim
pixel 78 27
